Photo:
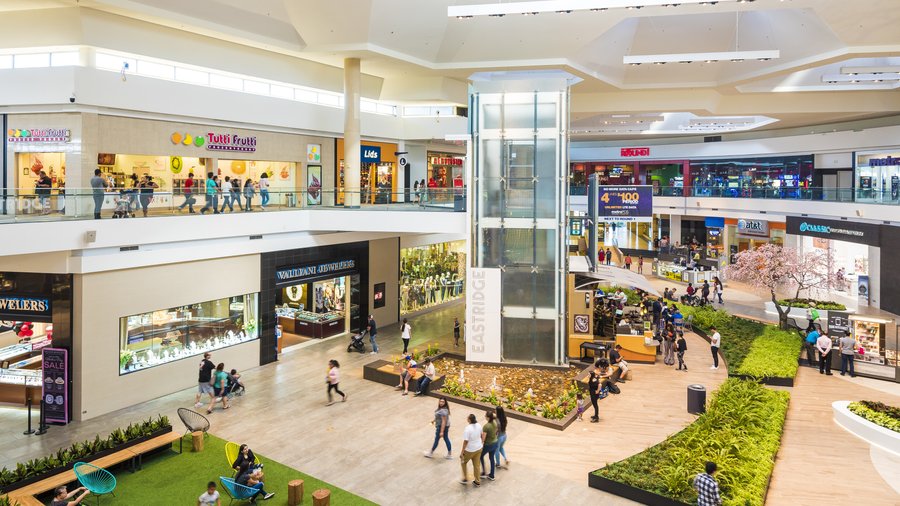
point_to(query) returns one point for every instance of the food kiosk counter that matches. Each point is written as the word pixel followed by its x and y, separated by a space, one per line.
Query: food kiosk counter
pixel 638 348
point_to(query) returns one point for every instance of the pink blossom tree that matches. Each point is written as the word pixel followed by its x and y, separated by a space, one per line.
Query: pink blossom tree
pixel 772 267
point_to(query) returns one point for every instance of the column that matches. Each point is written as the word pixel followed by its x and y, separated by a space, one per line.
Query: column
pixel 351 132
pixel 674 229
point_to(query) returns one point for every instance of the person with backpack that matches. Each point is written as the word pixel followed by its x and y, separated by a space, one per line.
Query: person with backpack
pixel 680 348
pixel 812 314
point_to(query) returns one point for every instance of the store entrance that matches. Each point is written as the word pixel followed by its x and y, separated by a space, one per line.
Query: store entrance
pixel 316 309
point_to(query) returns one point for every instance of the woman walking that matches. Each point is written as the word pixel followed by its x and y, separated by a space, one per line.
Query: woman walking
pixel 501 438
pixel 490 444
pixel 594 390
pixel 333 378
pixel 473 442
pixel 249 192
pixel 146 192
pixel 441 428
pixel 219 379
pixel 405 334
pixel 264 189
pixel 719 289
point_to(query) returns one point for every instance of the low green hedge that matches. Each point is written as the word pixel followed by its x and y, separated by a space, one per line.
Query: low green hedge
pixel 750 348
pixel 740 431
pixel 877 413
pixel 633 298
pixel 827 305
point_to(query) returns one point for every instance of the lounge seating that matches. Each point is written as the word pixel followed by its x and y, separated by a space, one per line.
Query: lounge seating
pixel 96 479
pixel 231 453
pixel 235 490
pixel 193 421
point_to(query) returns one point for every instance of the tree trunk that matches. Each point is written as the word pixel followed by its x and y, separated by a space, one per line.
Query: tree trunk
pixel 782 313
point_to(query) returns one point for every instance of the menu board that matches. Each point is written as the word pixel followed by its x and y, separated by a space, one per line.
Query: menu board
pixel 55 390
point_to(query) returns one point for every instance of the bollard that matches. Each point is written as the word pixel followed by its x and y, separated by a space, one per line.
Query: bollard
pixel 30 430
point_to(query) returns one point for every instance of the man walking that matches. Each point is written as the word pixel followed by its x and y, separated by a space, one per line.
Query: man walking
pixel 188 191
pixel 680 348
pixel 204 385
pixel 456 332
pixel 848 350
pixel 608 256
pixel 714 342
pixel 707 488
pixel 823 345
pixel 812 314
pixel 373 331
pixel 812 338
pixel 226 192
pixel 98 187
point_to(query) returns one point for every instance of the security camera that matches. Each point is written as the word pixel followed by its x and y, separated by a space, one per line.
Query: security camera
pixel 72 98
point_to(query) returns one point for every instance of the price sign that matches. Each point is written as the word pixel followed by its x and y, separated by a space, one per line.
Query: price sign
pixel 625 203
pixel 55 371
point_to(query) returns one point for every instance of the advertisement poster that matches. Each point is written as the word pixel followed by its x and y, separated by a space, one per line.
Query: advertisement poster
pixel 314 153
pixel 55 365
pixel 625 203
pixel 838 323
pixel 313 185
pixel 378 296
pixel 863 289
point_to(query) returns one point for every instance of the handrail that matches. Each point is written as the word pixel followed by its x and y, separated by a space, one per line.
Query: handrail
pixel 889 196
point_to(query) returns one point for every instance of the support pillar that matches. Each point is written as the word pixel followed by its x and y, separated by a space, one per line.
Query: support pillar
pixel 351 132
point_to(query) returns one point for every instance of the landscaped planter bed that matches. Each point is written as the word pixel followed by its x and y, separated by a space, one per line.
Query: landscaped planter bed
pixel 864 429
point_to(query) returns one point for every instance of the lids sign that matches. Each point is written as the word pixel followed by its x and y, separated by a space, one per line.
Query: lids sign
pixel 217 141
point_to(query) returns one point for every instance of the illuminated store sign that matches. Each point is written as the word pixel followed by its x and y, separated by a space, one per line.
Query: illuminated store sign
pixel 860 233
pixel 370 154
pixel 39 135
pixel 883 162
pixel 217 141
pixel 17 308
pixel 306 272
pixel 631 152
pixel 753 227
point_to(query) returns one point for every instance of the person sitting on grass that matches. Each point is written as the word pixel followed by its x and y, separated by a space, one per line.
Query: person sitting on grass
pixel 253 478
pixel 210 497
pixel 62 496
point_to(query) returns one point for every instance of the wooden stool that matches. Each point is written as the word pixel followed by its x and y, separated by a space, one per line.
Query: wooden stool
pixel 295 492
pixel 197 441
pixel 321 497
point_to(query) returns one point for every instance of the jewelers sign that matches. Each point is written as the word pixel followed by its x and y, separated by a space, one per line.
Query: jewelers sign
pixel 39 135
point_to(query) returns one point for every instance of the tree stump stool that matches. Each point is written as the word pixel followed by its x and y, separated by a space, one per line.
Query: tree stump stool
pixel 321 497
pixel 295 492
pixel 197 441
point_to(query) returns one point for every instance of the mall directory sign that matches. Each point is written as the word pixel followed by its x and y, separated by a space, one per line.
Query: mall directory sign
pixel 55 391
pixel 625 203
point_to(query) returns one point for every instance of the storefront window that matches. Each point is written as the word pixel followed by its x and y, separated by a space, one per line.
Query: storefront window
pixel 878 177
pixel 776 177
pixel 431 275
pixel 445 172
pixel 159 337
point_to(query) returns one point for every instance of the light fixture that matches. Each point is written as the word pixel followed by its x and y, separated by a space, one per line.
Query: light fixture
pixel 890 69
pixel 733 56
pixel 539 6
pixel 860 78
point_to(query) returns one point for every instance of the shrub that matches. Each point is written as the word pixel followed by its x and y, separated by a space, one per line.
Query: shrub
pixel 877 413
pixel 827 305
pixel 740 431
pixel 632 296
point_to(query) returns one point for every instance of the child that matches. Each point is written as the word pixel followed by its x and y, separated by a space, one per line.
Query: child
pixel 211 497
pixel 681 347
pixel 580 400
pixel 235 385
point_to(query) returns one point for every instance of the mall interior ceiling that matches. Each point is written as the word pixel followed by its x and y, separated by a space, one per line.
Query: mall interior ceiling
pixel 650 71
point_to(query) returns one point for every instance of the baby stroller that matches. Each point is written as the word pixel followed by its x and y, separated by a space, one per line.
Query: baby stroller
pixel 123 205
pixel 234 386
pixel 357 343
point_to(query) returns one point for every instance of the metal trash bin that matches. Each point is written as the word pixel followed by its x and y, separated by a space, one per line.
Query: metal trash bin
pixel 696 399
pixel 290 200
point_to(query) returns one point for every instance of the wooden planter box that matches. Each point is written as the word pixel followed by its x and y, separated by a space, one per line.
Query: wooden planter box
pixel 629 492
pixel 87 458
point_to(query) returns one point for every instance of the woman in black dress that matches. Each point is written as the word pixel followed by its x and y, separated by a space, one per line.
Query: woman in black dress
pixel 594 390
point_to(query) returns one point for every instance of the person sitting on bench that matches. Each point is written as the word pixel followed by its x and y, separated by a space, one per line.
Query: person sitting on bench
pixel 615 358
pixel 608 378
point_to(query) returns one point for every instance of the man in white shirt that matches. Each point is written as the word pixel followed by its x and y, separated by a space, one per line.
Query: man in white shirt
pixel 823 346
pixel 473 442
pixel 428 378
pixel 715 340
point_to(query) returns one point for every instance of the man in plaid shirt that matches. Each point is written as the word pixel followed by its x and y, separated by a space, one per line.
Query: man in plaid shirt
pixel 707 488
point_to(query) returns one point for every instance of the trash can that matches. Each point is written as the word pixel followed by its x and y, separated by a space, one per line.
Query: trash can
pixel 290 200
pixel 696 399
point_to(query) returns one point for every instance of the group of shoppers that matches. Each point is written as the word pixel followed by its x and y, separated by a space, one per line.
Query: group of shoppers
pixel 479 441
pixel 819 345
pixel 216 383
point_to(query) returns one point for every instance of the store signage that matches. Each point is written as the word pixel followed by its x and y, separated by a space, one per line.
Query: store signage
pixel 850 231
pixel 55 391
pixel 753 227
pixel 712 222
pixel 217 141
pixel 24 308
pixel 838 323
pixel 313 153
pixel 442 160
pixel 370 154
pixel 632 152
pixel 39 135
pixel 483 315
pixel 884 162
pixel 625 203
pixel 298 274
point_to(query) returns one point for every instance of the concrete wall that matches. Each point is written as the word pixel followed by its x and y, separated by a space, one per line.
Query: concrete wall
pixel 101 299
pixel 384 267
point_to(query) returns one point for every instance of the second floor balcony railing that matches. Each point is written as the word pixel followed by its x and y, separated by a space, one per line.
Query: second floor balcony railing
pixel 54 204
pixel 889 196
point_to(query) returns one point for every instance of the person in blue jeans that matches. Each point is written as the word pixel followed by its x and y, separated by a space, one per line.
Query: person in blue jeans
pixel 848 350
pixel 264 189
pixel 253 479
pixel 490 430
pixel 373 331
pixel 501 437
pixel 441 428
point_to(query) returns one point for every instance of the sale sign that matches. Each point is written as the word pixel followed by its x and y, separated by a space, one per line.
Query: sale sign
pixel 625 203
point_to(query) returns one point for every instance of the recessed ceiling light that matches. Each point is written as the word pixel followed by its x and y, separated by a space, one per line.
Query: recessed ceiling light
pixel 497 8
pixel 735 56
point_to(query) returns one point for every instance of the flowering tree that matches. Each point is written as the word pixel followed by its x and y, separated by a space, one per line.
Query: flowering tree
pixel 771 267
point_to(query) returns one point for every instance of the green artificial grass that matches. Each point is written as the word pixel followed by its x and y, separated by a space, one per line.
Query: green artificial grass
pixel 172 478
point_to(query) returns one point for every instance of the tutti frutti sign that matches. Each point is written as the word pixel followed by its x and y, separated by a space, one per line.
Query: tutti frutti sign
pixel 215 141
pixel 39 135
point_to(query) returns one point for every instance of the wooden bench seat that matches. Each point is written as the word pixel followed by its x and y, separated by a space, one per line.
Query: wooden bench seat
pixel 26 495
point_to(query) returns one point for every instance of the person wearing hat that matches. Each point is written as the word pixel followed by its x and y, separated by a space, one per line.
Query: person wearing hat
pixel 408 373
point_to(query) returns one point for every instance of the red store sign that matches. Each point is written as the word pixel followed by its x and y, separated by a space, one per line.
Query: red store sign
pixel 630 152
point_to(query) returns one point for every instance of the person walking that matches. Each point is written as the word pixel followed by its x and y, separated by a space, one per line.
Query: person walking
pixel 628 262
pixel 704 292
pixel 441 428
pixel 249 192
pixel 456 332
pixel 719 288
pixel 405 334
pixel 204 380
pixel 669 346
pixel 473 442
pixel 219 380
pixel 812 338
pixel 601 257
pixel 373 331
pixel 211 195
pixel 715 340
pixel 848 352
pixel 98 188
pixel 428 374
pixel 188 191
pixel 812 314
pixel 42 189
pixel 641 264
pixel 146 193
pixel 264 189
pixel 823 346
pixel 501 438
pixel 333 379
pixel 680 348
pixel 236 193
pixel 608 256
pixel 706 486
pixel 490 444
pixel 594 391
pixel 225 190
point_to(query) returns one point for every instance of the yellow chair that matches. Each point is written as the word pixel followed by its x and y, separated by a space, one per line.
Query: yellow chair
pixel 231 453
